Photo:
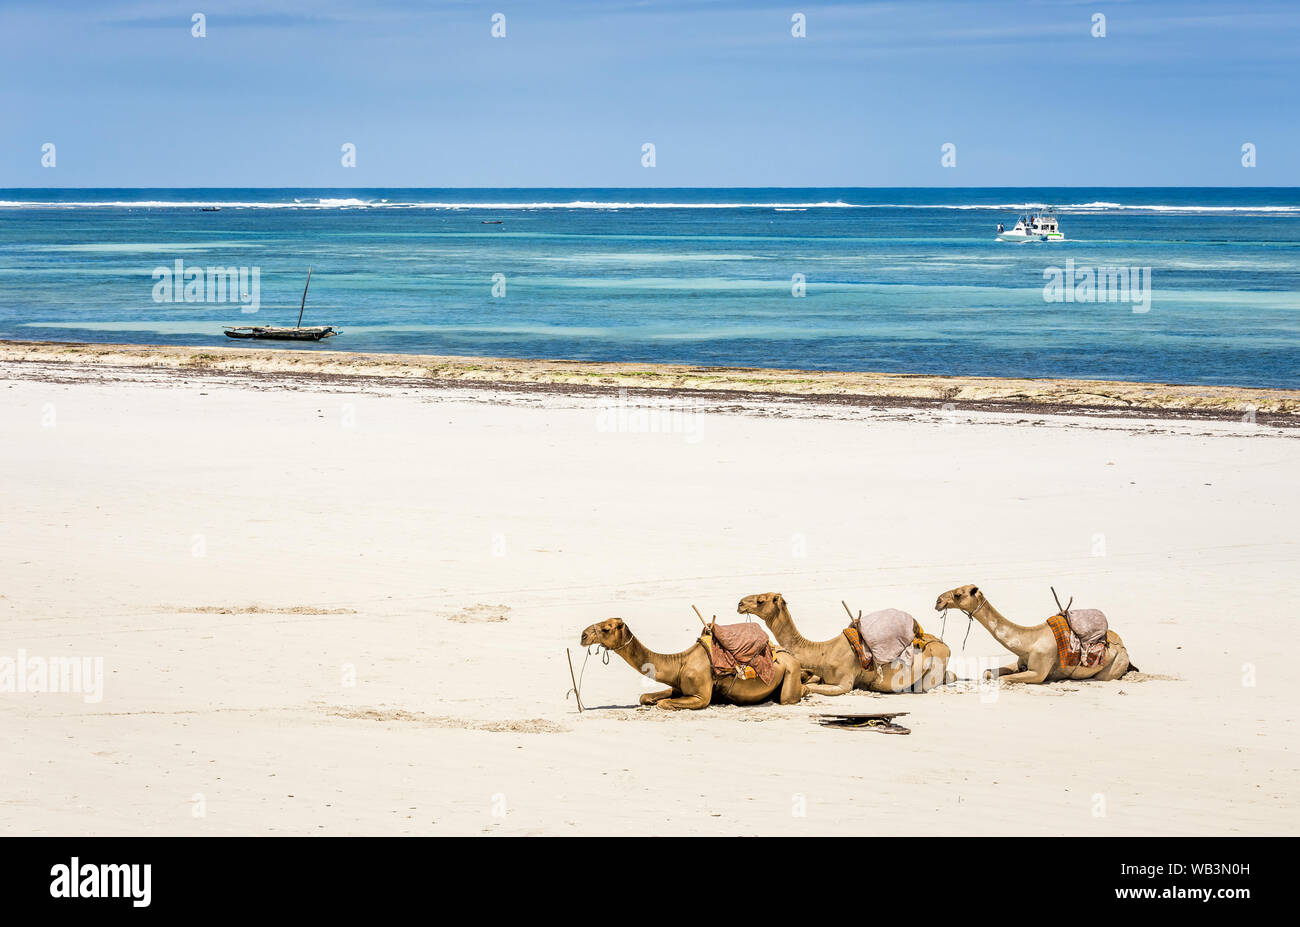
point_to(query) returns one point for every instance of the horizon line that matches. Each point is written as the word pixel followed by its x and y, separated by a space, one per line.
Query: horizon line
pixel 830 187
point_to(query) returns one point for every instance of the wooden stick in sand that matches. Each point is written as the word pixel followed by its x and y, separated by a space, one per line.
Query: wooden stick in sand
pixel 576 694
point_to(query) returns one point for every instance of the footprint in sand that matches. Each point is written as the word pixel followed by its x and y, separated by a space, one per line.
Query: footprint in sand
pixel 260 610
pixel 513 726
pixel 481 614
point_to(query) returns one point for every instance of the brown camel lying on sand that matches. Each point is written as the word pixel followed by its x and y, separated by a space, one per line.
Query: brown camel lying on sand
pixel 836 662
pixel 690 673
pixel 1037 656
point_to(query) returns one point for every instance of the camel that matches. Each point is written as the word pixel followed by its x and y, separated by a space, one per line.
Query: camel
pixel 690 673
pixel 836 662
pixel 1037 659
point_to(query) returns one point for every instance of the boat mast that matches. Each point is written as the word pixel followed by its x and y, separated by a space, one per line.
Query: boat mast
pixel 304 299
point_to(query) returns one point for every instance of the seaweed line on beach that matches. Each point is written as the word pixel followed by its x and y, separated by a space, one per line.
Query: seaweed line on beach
pixel 1091 398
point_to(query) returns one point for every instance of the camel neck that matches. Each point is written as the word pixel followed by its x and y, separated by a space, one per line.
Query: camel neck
pixel 666 667
pixel 785 632
pixel 1005 631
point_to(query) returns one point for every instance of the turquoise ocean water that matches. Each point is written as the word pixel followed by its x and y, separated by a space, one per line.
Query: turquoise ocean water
pixel 899 280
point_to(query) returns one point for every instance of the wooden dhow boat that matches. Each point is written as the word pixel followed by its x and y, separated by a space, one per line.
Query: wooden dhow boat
pixel 271 332
pixel 278 333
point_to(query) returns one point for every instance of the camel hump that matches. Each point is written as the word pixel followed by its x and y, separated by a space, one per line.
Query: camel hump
pixel 1088 624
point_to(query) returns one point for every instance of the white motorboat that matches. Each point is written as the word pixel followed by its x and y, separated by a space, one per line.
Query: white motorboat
pixel 1033 226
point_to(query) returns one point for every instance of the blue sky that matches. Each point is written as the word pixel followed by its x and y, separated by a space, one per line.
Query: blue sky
pixel 726 94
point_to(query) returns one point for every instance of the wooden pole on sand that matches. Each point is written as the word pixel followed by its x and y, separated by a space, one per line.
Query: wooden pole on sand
pixel 576 694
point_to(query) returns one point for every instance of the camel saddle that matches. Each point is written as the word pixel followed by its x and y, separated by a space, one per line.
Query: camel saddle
pixel 742 650
pixel 1088 624
pixel 1081 635
pixel 883 637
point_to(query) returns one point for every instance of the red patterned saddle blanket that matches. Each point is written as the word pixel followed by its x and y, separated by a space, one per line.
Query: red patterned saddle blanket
pixel 855 641
pixel 1070 650
pixel 742 650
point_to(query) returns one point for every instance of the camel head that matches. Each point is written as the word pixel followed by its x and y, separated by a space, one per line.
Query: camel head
pixel 611 634
pixel 766 605
pixel 965 598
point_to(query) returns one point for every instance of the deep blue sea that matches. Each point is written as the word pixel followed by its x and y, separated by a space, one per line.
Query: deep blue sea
pixel 899 280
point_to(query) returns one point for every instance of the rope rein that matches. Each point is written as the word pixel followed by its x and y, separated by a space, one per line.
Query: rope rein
pixel 630 638
pixel 970 619
pixel 604 658
pixel 577 684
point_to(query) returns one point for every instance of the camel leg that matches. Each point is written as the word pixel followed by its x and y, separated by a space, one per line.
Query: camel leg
pixel 694 688
pixel 935 655
pixel 839 685
pixel 792 688
pixel 922 674
pixel 1003 671
pixel 901 679
pixel 943 676
pixel 649 698
pixel 821 688
pixel 1031 676
pixel 935 666
pixel 907 680
pixel 686 702
pixel 1117 667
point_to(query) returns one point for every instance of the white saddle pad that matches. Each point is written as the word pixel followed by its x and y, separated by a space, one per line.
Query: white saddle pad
pixel 1088 624
pixel 887 634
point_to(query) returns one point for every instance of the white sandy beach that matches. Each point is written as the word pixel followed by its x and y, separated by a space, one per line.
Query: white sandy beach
pixel 343 609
